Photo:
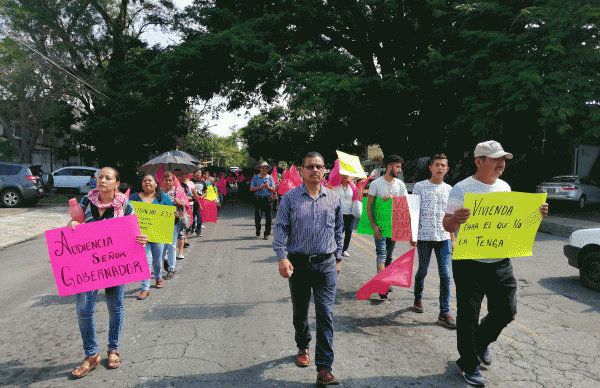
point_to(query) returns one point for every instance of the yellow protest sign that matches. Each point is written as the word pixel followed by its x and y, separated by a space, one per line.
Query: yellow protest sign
pixel 350 165
pixel 501 225
pixel 156 221
pixel 211 193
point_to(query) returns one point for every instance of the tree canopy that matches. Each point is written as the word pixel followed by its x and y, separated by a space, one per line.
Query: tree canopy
pixel 412 76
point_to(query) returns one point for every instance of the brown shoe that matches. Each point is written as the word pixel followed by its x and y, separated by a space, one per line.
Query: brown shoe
pixel 143 295
pixel 87 365
pixel 159 283
pixel 115 361
pixel 324 377
pixel 303 358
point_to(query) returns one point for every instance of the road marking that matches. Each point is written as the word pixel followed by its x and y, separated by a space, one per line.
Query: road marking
pixel 435 292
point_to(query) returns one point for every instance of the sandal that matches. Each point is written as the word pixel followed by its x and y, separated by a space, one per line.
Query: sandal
pixel 159 283
pixel 170 275
pixel 114 364
pixel 82 370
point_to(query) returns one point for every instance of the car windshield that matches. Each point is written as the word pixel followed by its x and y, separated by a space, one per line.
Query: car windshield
pixel 564 179
pixel 36 170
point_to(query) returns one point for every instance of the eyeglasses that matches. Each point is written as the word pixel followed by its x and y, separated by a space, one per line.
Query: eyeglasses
pixel 314 167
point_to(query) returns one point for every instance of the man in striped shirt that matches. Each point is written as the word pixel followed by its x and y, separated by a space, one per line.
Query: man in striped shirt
pixel 308 243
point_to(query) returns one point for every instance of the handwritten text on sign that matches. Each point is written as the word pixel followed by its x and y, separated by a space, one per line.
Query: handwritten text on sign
pixel 501 225
pixel 382 215
pixel 156 221
pixel 97 255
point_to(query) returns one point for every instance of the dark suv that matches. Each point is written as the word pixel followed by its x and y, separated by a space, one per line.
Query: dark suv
pixel 23 183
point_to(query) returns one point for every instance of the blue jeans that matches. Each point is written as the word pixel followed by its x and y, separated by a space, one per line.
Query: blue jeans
pixel 154 252
pixel 197 218
pixel 384 249
pixel 170 252
pixel 322 279
pixel 443 253
pixel 86 305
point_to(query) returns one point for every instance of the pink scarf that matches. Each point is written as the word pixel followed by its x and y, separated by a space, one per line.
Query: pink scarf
pixel 116 204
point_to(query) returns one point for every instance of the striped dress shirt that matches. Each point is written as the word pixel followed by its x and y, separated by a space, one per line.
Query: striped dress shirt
pixel 308 226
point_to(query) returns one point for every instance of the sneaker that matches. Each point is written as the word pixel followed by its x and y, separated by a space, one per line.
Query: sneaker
pixel 266 237
pixel 418 307
pixel 447 320
pixel 180 257
pixel 198 232
pixel 203 227
pixel 303 359
pixel 345 254
pixel 475 379
pixel 485 357
pixel 383 296
pixel 185 245
pixel 324 378
pixel 258 233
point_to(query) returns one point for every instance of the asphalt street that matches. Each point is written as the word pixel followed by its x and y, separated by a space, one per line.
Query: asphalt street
pixel 225 321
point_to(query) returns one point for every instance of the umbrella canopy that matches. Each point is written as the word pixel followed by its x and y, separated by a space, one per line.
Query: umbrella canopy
pixel 170 163
pixel 181 154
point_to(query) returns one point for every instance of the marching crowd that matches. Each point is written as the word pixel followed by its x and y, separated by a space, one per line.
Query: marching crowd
pixel 311 236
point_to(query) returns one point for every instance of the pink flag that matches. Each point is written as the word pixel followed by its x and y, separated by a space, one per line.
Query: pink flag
pixel 334 175
pixel 159 174
pixel 180 195
pixel 275 176
pixel 361 186
pixel 127 193
pixel 209 211
pixel 295 176
pixel 222 185
pixel 399 273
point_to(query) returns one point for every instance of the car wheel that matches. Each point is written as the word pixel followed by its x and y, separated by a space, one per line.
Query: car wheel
pixel 590 270
pixel 11 198
pixel 582 202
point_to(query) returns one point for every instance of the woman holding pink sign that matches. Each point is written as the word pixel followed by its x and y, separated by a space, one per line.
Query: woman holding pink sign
pixel 152 194
pixel 100 204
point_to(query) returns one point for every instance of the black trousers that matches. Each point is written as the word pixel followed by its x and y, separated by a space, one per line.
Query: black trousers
pixel 263 204
pixel 474 280
pixel 348 220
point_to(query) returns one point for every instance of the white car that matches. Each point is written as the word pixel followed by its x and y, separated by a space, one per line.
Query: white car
pixel 583 252
pixel 73 177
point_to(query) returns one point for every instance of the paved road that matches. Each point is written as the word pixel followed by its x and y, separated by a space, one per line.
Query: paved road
pixel 225 321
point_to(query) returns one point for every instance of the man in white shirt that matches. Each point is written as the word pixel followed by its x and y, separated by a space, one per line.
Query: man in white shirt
pixel 432 236
pixel 474 279
pixel 385 187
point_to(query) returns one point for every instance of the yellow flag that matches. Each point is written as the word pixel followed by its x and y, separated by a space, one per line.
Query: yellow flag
pixel 350 165
pixel 211 194
pixel 501 225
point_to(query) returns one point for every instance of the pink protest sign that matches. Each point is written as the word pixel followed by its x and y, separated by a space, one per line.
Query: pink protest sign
pixel 401 230
pixel 97 255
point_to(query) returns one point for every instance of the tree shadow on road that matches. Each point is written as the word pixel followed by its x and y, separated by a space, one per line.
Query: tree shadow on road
pixel 261 375
pixel 572 288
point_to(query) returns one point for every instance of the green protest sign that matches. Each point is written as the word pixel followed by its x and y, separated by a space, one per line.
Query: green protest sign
pixel 382 214
pixel 156 221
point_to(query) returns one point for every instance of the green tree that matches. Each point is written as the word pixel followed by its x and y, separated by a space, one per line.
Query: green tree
pixel 412 76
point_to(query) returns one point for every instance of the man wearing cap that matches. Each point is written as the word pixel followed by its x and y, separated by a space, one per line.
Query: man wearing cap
pixel 263 185
pixel 474 279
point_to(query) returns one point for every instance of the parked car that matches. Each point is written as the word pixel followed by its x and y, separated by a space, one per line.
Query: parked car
pixel 580 190
pixel 21 183
pixel 73 177
pixel 583 253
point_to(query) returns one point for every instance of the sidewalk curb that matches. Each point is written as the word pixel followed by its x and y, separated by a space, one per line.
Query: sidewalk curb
pixel 560 226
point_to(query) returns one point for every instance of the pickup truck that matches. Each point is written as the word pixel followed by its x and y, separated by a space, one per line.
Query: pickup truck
pixel 583 253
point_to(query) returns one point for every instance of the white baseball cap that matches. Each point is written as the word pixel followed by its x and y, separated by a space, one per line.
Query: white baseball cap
pixel 492 149
pixel 264 164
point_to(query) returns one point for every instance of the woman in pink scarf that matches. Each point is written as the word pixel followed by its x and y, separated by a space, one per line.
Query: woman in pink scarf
pixel 100 204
